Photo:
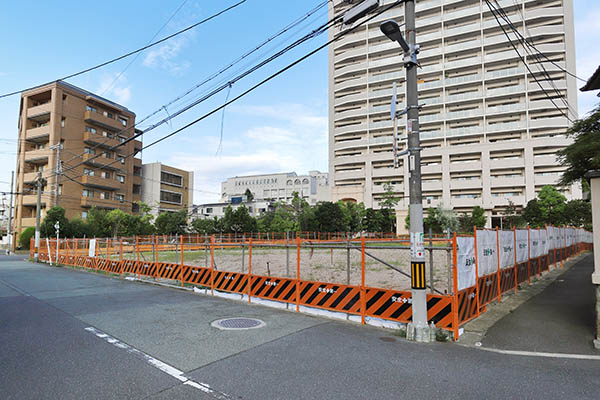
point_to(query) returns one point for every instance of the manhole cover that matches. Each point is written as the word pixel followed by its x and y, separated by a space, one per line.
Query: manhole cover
pixel 238 323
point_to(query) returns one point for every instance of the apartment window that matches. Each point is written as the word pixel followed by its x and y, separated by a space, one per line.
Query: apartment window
pixel 123 121
pixel 135 208
pixel 60 189
pixel 88 172
pixel 90 108
pixel 62 122
pixel 108 114
pixel 121 178
pixel 122 139
pixel 120 197
pixel 170 197
pixel 171 179
pixel 107 154
pixel 87 193
pixel 83 214
pixel 209 210
pixel 107 134
pixel 89 150
pixel 105 195
pixel 90 129
pixel 105 174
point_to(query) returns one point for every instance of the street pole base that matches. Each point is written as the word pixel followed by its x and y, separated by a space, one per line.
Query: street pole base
pixel 421 333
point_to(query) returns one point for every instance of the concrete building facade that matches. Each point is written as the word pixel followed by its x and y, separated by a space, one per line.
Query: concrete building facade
pixel 313 187
pixel 61 121
pixel 489 133
pixel 167 189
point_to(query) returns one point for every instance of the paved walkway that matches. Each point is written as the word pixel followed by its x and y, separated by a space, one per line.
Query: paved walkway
pixel 558 320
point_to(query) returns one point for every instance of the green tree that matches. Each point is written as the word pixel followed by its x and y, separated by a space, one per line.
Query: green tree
pixel 283 219
pixel 25 237
pixel 171 223
pixel 242 221
pixel 353 215
pixel 329 217
pixel 206 226
pixel 388 198
pixel 511 216
pixel 249 195
pixel 532 214
pixel 372 221
pixel 552 205
pixel 466 222
pixel 78 228
pixel 439 219
pixel 578 213
pixel 583 154
pixel 98 223
pixel 54 215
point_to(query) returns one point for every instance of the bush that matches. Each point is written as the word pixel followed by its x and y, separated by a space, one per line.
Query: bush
pixel 25 237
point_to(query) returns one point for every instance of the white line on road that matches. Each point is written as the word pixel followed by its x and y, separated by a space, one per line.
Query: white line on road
pixel 164 367
pixel 541 354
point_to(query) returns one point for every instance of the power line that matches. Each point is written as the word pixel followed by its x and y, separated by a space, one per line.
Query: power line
pixel 493 11
pixel 215 75
pixel 542 69
pixel 134 51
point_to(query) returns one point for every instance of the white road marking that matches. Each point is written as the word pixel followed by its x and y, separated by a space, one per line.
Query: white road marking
pixel 542 354
pixel 164 367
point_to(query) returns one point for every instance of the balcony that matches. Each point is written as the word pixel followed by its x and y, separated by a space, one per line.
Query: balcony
pixel 100 120
pixel 88 202
pixel 466 202
pixel 99 140
pixel 549 160
pixel 501 181
pixel 465 166
pixel 465 183
pixel 40 134
pixel 27 222
pixel 501 200
pixel 137 162
pixel 39 112
pixel 29 177
pixel 507 162
pixel 38 156
pixel 136 180
pixel 102 162
pixel 99 182
pixel 31 200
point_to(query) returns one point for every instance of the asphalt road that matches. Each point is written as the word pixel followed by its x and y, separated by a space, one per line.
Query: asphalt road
pixel 47 353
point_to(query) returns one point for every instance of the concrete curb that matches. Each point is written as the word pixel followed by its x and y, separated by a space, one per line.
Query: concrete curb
pixel 475 330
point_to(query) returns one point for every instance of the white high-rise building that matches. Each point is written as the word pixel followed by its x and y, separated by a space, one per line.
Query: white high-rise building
pixel 489 132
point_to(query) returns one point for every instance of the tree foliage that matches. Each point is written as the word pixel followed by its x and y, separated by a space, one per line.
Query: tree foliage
pixel 466 222
pixel 54 215
pixel 25 237
pixel 583 154
pixel 171 223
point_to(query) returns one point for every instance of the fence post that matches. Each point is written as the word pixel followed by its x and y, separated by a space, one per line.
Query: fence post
pixel 181 266
pixel 528 255
pixel 243 250
pixel 66 251
pixel 137 249
pixel 297 273
pixel 212 265
pixel 287 254
pixel 454 288
pixel 362 281
pixel 347 259
pixel 539 260
pixel 476 270
pixel 430 260
pixel 498 273
pixel 515 250
pixel 565 248
pixel 121 257
pixel 449 259
pixel 108 244
pixel 249 269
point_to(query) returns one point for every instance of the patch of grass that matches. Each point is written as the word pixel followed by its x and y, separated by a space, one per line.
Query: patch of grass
pixel 400 332
pixel 441 335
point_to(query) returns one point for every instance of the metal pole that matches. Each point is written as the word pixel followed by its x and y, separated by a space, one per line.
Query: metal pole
pixel 348 259
pixel 430 260
pixel 287 254
pixel 417 259
pixel 10 241
pixel 38 209
pixel 449 262
pixel 243 251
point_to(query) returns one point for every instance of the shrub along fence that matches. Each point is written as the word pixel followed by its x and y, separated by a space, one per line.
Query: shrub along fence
pixel 367 277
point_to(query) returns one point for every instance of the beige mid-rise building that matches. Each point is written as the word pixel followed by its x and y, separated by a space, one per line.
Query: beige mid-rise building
pixel 59 120
pixel 489 133
pixel 167 189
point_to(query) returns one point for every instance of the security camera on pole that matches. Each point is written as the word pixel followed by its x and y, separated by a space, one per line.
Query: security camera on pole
pixel 418 329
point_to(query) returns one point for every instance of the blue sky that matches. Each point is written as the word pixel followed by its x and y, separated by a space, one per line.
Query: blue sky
pixel 280 127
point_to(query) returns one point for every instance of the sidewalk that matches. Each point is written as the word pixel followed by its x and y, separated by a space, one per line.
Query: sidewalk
pixel 560 319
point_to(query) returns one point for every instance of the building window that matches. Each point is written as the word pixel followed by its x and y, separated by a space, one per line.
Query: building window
pixel 107 154
pixel 170 197
pixel 87 193
pixel 122 139
pixel 89 150
pixel 209 210
pixel 90 108
pixel 88 172
pixel 135 208
pixel 105 195
pixel 62 122
pixel 120 197
pixel 105 174
pixel 107 134
pixel 123 121
pixel 121 178
pixel 83 214
pixel 121 158
pixel 90 129
pixel 108 114
pixel 60 189
pixel 171 179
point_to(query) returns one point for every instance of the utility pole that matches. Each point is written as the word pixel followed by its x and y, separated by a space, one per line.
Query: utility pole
pixel 57 171
pixel 9 246
pixel 38 209
pixel 418 328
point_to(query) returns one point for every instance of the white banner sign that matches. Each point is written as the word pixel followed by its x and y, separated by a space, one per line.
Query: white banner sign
pixel 507 249
pixel 487 252
pixel 534 243
pixel 522 246
pixel 92 249
pixel 465 262
pixel 543 241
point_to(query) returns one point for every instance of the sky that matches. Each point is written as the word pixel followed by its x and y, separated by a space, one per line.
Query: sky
pixel 280 127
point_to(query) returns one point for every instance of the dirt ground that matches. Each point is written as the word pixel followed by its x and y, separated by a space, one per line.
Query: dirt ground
pixel 337 265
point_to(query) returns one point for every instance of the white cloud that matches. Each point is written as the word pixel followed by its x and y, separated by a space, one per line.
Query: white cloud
pixel 115 88
pixel 164 56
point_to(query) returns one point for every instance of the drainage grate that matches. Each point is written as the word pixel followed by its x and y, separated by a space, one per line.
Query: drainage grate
pixel 239 323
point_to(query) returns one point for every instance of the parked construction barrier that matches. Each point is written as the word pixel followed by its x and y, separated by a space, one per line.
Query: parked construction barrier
pixel 482 267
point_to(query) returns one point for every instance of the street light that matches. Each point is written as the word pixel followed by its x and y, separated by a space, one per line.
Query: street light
pixel 418 329
pixel 391 29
